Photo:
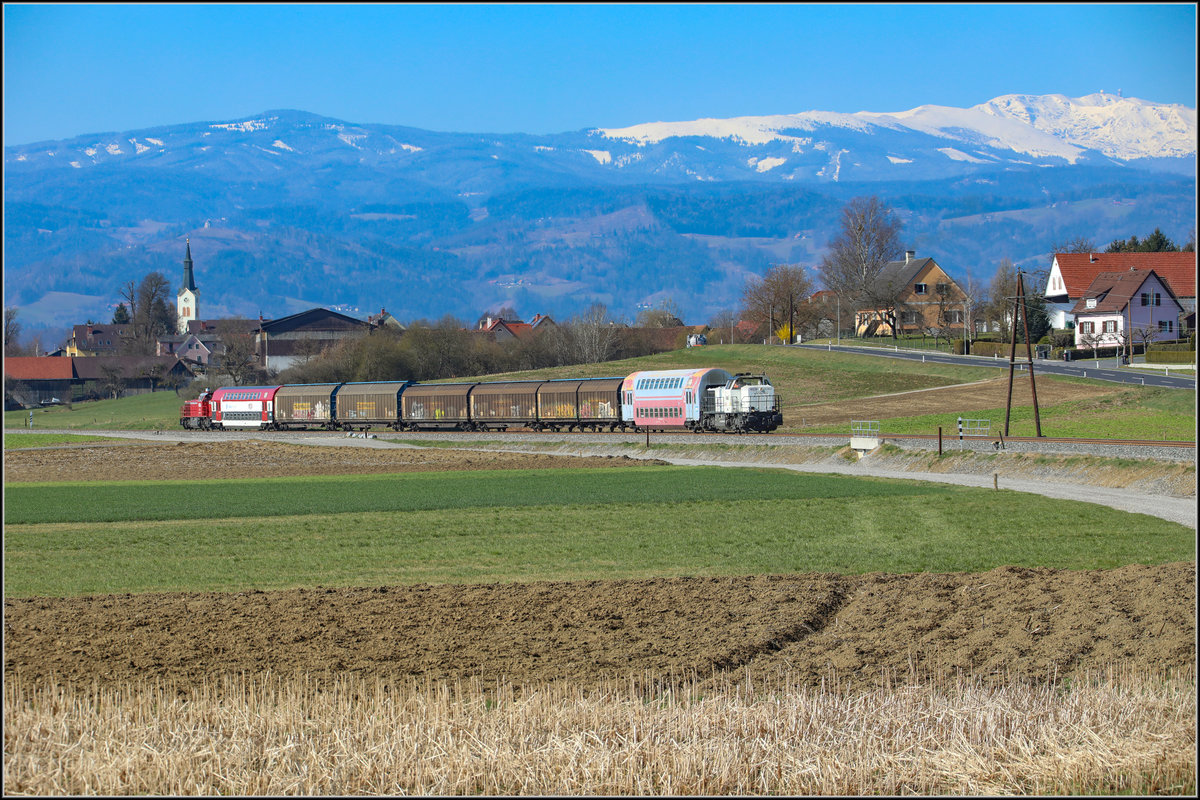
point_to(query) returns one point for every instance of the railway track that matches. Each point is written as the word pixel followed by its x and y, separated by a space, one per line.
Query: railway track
pixel 778 435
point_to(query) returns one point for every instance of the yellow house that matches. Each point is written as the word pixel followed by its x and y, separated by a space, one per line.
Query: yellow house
pixel 912 296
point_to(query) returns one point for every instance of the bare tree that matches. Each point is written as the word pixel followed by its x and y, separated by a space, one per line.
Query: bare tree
pixel 722 325
pixel 1091 338
pixel 1145 334
pixel 150 313
pixel 665 315
pixel 239 359
pixel 973 295
pixel 113 381
pixel 868 239
pixel 779 299
pixel 12 332
pixel 941 324
pixel 1077 244
pixel 594 335
pixel 1002 292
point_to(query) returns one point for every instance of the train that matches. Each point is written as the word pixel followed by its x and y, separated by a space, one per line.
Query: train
pixel 699 400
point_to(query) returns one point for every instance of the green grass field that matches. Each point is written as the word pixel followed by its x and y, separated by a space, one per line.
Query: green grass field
pixel 543 525
pixel 15 440
pixel 1132 412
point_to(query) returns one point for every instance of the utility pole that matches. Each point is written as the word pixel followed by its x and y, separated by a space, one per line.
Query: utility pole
pixel 791 318
pixel 1020 306
pixel 839 317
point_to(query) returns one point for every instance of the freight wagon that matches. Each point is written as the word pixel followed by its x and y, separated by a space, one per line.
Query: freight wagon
pixel 306 405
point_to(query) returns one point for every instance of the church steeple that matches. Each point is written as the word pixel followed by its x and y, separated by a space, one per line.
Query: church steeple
pixel 185 306
pixel 189 281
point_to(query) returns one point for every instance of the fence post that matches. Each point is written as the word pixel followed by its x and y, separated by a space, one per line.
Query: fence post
pixel 939 441
pixel 960 427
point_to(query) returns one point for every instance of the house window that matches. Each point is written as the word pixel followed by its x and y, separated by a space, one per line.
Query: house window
pixel 1087 327
pixel 1151 299
pixel 1110 326
pixel 1166 326
pixel 920 288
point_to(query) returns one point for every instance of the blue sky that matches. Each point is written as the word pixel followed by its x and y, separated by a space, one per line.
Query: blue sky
pixel 77 69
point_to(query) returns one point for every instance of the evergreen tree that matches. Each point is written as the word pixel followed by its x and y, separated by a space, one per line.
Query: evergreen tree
pixel 121 315
pixel 1157 242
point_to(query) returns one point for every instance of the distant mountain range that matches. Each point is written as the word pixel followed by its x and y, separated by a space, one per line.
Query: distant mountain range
pixel 287 210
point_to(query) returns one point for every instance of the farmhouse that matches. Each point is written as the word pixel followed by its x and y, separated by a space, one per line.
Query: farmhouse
pixel 911 296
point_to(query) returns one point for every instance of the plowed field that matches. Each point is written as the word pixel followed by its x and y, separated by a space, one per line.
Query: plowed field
pixel 1009 621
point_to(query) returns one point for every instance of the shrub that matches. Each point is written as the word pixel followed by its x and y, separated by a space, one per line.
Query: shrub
pixel 1157 356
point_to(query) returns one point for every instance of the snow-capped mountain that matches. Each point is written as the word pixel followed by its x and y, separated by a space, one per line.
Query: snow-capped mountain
pixel 1050 126
pixel 287 209
pixel 1013 131
pixel 1120 127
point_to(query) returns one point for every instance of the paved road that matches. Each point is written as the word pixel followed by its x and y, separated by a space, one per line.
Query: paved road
pixel 1103 369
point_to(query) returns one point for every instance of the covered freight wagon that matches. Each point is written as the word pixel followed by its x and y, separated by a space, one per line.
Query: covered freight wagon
pixel 306 405
pixel 504 403
pixel 436 405
pixel 362 405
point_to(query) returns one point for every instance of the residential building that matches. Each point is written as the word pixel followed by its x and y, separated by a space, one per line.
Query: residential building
pixel 1120 308
pixel 91 339
pixel 505 331
pixel 202 350
pixel 385 320
pixel 1071 275
pixel 920 295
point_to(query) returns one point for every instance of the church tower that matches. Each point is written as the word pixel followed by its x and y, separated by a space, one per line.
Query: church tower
pixel 185 306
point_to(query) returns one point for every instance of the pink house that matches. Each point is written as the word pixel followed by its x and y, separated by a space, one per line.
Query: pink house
pixel 1118 305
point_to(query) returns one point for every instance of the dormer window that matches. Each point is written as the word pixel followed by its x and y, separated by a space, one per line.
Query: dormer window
pixel 1091 302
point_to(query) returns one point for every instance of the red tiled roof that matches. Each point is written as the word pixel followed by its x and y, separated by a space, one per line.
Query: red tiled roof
pixel 1080 269
pixel 39 368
